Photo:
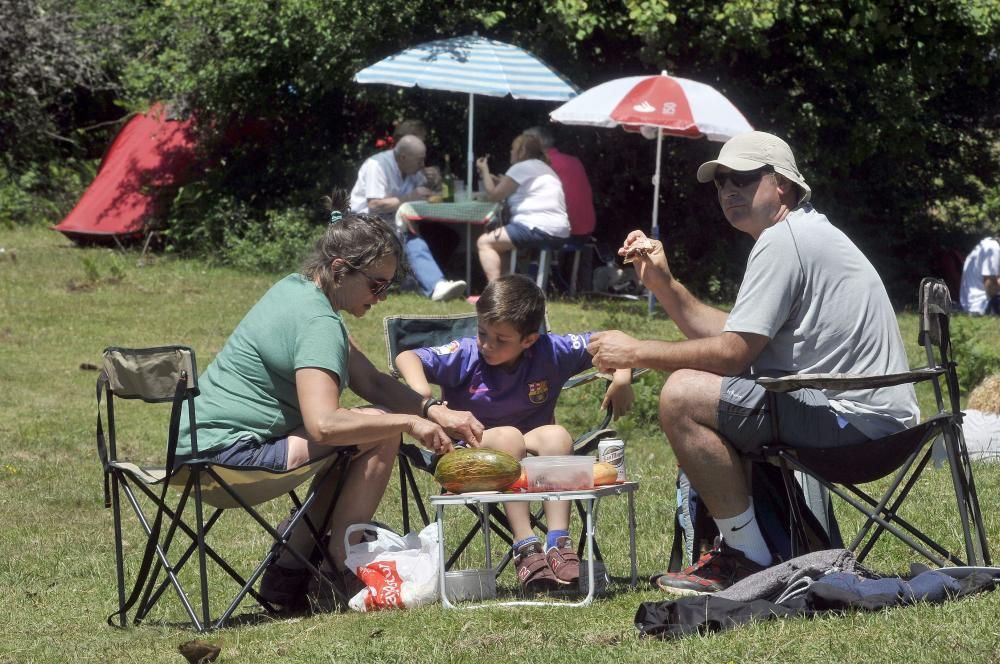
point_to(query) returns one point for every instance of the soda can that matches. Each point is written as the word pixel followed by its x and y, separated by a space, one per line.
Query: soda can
pixel 612 450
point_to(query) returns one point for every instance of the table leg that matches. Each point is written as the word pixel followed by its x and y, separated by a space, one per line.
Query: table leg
pixel 631 538
pixel 441 558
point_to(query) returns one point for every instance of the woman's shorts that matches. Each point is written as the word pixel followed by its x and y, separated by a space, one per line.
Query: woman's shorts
pixel 805 418
pixel 248 451
pixel 525 237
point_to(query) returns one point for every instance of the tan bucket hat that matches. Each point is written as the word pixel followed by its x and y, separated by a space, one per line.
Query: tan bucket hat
pixel 750 151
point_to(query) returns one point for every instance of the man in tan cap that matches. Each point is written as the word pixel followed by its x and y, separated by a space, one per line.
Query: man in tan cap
pixel 810 302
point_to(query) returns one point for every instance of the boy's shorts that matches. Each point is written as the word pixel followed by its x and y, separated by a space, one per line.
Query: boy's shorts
pixel 525 237
pixel 805 418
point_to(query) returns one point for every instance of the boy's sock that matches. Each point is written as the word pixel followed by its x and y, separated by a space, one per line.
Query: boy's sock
pixel 553 536
pixel 742 533
pixel 519 543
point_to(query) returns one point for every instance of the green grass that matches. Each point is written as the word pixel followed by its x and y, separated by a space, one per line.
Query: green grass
pixel 61 305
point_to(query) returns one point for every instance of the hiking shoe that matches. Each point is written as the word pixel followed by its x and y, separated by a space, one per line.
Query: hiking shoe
pixel 532 569
pixel 563 561
pixel 716 570
pixel 284 588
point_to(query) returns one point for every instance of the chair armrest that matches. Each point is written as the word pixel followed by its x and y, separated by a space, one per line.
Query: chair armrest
pixel 590 375
pixel 842 381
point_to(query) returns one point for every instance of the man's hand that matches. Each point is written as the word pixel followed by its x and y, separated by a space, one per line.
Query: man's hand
pixel 647 261
pixel 459 424
pixel 430 435
pixel 613 350
pixel 422 192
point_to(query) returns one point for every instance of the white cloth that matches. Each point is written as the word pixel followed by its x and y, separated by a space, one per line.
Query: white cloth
pixel 814 294
pixel 380 177
pixel 539 201
pixel 983 261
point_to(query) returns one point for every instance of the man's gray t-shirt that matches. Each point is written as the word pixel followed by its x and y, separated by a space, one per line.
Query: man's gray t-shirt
pixel 814 294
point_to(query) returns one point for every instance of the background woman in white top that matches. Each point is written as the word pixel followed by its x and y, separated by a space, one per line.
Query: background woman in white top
pixel 537 205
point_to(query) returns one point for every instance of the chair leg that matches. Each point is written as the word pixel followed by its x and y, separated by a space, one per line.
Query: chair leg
pixel 575 274
pixel 513 260
pixel 542 278
pixel 119 553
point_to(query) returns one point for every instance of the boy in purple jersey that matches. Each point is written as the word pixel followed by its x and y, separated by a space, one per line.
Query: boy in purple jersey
pixel 509 377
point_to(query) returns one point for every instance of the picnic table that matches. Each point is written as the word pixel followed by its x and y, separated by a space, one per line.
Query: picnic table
pixel 466 213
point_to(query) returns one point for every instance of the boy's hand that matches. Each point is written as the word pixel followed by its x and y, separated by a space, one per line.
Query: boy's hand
pixel 459 424
pixel 430 435
pixel 620 396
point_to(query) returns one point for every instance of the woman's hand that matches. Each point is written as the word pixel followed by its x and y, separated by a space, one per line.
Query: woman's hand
pixel 619 394
pixel 459 424
pixel 483 164
pixel 430 435
pixel 647 255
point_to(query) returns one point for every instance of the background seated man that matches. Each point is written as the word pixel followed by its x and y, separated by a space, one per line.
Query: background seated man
pixel 387 180
pixel 980 291
pixel 810 302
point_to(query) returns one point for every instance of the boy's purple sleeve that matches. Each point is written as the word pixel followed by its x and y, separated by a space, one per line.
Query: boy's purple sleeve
pixel 571 354
pixel 445 365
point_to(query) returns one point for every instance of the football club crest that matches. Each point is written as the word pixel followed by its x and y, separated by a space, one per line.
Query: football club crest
pixel 538 392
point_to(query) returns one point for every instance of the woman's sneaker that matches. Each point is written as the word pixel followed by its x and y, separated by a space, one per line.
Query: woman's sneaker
pixel 532 569
pixel 716 570
pixel 563 561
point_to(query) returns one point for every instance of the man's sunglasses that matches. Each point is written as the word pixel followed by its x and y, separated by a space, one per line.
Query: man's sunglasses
pixel 377 286
pixel 741 178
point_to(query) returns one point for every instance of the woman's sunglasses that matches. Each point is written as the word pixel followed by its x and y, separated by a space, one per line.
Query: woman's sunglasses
pixel 377 286
pixel 741 178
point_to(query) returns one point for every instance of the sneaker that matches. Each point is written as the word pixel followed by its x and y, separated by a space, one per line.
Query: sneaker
pixel 716 570
pixel 447 290
pixel 563 561
pixel 532 569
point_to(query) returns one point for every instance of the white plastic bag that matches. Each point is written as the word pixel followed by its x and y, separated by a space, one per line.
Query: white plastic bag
pixel 399 572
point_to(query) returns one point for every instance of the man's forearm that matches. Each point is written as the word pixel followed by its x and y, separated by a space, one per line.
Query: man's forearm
pixel 695 319
pixel 389 392
pixel 710 354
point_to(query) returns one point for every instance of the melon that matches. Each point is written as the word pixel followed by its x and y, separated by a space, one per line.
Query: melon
pixel 468 469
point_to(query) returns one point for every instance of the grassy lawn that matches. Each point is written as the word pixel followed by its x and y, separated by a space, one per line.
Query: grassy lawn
pixel 61 305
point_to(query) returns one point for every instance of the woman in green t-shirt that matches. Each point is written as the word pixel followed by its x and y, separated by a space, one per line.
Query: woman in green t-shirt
pixel 272 396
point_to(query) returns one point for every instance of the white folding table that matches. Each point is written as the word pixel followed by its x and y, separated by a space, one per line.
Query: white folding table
pixel 589 498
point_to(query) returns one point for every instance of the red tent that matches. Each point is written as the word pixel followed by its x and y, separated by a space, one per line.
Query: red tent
pixel 151 151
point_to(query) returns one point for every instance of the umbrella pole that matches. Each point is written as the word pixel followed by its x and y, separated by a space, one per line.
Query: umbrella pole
pixel 470 157
pixel 655 226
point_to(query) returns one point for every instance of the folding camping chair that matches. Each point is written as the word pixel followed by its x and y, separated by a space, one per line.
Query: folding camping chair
pixel 906 453
pixel 407 332
pixel 168 375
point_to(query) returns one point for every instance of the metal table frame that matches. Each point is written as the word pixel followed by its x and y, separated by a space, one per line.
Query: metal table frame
pixel 590 499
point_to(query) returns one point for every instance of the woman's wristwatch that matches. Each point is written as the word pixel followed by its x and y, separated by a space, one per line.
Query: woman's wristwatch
pixel 426 404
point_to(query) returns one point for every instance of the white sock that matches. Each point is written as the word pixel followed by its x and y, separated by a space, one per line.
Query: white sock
pixel 742 533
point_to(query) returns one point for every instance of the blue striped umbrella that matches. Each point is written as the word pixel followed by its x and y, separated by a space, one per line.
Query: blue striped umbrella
pixel 474 65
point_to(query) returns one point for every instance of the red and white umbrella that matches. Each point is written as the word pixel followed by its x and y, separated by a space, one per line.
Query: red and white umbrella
pixel 656 106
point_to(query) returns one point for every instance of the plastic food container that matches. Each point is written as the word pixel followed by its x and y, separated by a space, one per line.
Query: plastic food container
pixel 470 585
pixel 559 473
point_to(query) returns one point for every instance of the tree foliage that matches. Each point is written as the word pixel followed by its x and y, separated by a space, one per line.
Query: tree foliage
pixel 891 106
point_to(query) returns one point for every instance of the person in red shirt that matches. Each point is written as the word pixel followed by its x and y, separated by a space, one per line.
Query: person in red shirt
pixel 576 185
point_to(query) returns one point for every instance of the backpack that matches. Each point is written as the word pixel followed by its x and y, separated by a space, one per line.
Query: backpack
pixel 695 531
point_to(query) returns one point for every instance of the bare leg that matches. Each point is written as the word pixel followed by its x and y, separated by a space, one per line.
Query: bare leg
pixel 689 406
pixel 510 440
pixel 552 440
pixel 367 478
pixel 493 247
